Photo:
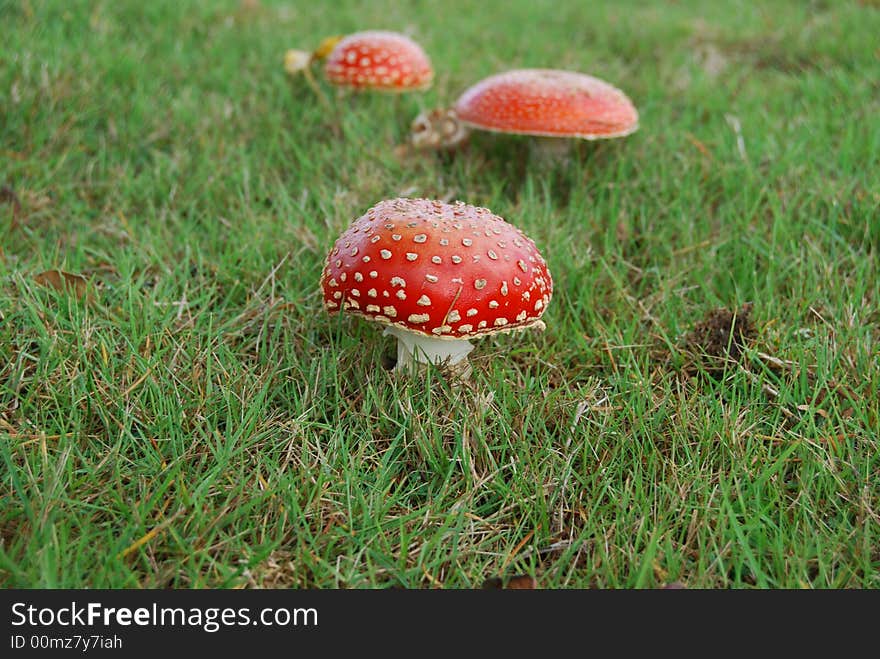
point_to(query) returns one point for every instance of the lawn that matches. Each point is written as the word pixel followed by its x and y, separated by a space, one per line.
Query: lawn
pixel 177 409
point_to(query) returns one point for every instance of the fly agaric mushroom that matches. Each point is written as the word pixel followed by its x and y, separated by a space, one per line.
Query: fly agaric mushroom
pixel 436 275
pixel 546 103
pixel 381 60
pixel 376 59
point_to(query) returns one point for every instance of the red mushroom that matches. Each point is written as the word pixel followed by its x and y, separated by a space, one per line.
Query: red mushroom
pixel 436 275
pixel 375 60
pixel 380 60
pixel 546 103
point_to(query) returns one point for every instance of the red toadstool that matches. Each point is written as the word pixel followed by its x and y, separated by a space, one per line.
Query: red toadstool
pixel 546 103
pixel 380 60
pixel 436 275
pixel 374 59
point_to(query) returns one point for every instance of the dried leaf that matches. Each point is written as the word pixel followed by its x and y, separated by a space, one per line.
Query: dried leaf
pixel 63 281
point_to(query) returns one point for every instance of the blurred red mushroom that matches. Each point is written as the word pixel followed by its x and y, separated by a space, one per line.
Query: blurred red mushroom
pixel 375 59
pixel 380 60
pixel 546 103
pixel 437 275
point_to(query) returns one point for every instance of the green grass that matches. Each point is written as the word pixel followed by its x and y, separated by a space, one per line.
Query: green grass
pixel 199 394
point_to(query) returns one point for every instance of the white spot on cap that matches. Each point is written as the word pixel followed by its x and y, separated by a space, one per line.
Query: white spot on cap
pixel 411 256
pixel 424 301
pixel 436 259
pixel 521 316
pixel 391 311
pixel 455 258
pixel 337 295
pixel 354 251
pixel 467 242
pixel 492 255
pixel 493 304
pixel 522 265
pixel 332 283
pixel 481 324
pixel 419 238
pixel 372 293
pixel 500 321
pixel 443 329
pixel 373 308
pixel 471 312
pixel 419 318
pixel 444 241
pixel 375 239
pixel 517 281
pixel 453 316
pixel 527 296
pixel 353 303
pixel 464 329
pixel 358 276
pixel 539 304
pixel 385 254
pixel 373 274
pixel 398 281
pixel 366 259
pixel 355 292
pixel 395 237
pixel 480 284
pixel 432 278
pixel 401 294
pixel 504 288
pixel 343 276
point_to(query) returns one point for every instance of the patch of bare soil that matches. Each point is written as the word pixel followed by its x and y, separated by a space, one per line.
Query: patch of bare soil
pixel 719 340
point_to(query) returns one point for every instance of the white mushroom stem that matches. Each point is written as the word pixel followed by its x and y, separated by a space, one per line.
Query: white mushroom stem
pixel 550 150
pixel 415 348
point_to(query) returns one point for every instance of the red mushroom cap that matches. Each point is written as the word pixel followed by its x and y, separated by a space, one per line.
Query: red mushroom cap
pixel 444 270
pixel 379 60
pixel 548 102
